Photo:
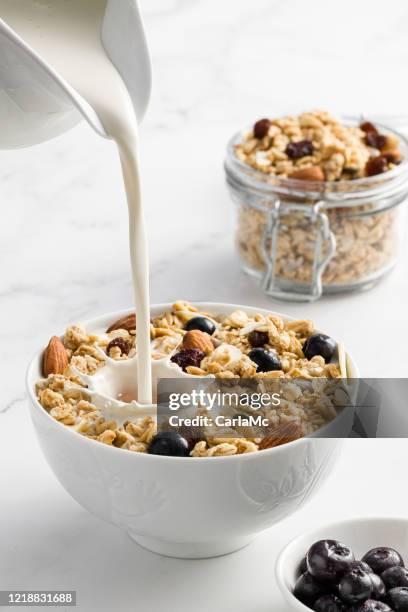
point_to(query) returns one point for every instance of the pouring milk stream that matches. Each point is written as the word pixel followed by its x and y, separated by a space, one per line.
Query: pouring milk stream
pixel 67 35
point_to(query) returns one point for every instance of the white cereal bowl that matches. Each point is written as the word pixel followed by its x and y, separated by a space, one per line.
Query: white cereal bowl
pixel 361 534
pixel 184 507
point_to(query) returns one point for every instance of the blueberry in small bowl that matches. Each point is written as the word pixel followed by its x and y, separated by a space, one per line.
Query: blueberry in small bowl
pixel 346 569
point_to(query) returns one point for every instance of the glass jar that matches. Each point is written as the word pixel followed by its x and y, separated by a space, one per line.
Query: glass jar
pixel 304 238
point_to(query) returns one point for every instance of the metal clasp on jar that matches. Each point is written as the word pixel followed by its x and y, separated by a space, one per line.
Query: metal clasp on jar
pixel 286 289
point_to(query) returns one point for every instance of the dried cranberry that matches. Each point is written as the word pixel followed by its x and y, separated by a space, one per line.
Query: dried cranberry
pixel 188 357
pixel 258 338
pixel 296 150
pixel 121 343
pixel 375 140
pixel 368 127
pixel 376 165
pixel 261 128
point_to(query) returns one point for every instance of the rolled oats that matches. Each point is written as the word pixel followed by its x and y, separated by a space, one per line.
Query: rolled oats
pixel 366 244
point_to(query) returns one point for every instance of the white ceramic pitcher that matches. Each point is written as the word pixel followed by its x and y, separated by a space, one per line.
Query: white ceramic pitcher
pixel 36 104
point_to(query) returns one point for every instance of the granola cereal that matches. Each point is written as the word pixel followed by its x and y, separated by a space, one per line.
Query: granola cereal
pixel 316 139
pixel 315 146
pixel 259 347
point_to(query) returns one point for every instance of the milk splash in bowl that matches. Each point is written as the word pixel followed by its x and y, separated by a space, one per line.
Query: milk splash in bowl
pixel 67 35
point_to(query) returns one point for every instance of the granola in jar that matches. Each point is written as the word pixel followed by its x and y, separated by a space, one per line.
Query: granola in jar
pixel 225 347
pixel 292 176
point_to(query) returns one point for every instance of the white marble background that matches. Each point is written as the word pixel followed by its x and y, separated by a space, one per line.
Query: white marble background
pixel 218 65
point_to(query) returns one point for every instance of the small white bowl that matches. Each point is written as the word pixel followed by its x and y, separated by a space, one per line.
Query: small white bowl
pixel 179 506
pixel 360 534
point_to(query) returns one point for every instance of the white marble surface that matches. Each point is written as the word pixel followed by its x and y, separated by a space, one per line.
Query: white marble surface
pixel 63 241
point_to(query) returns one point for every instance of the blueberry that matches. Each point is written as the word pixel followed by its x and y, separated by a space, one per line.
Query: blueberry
pixel 355 586
pixel 378 587
pixel 201 323
pixel 378 590
pixel 307 589
pixel 302 566
pixel 370 605
pixel 319 344
pixel 328 560
pixel 381 558
pixel 265 360
pixel 396 576
pixel 169 443
pixel 361 565
pixel 329 603
pixel 398 599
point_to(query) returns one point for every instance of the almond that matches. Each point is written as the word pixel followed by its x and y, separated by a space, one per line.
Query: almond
pixel 314 173
pixel 282 434
pixel 128 322
pixel 391 144
pixel 394 156
pixel 55 358
pixel 196 339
